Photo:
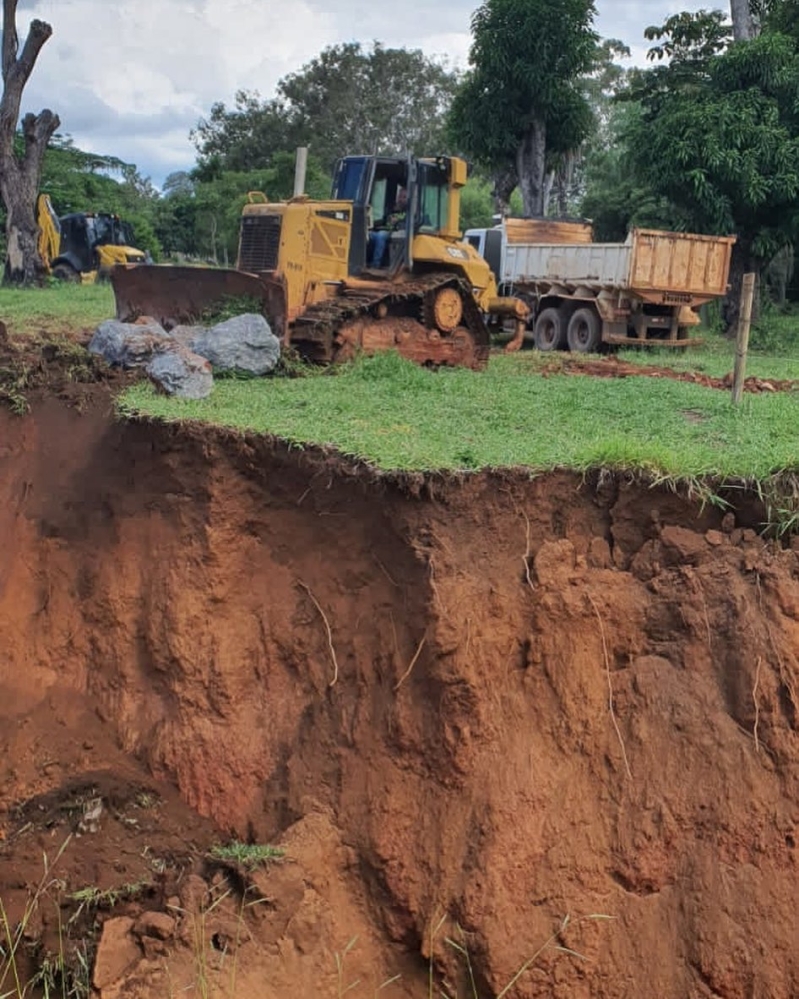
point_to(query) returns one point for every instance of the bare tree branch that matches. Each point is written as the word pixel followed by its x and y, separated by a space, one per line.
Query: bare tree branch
pixel 38 130
pixel 10 41
pixel 39 32
pixel 20 173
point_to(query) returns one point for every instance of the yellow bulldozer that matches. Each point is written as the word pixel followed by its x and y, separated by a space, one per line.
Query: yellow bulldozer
pixel 83 246
pixel 379 266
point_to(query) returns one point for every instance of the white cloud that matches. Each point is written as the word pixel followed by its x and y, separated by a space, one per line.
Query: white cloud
pixel 132 78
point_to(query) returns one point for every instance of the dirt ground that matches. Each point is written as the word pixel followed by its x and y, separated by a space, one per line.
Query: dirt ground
pixel 611 366
pixel 494 722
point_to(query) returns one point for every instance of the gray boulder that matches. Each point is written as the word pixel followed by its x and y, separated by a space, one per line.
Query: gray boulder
pixel 186 335
pixel 242 345
pixel 128 345
pixel 179 372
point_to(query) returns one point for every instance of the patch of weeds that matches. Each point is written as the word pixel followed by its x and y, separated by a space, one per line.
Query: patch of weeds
pixel 74 360
pixel 146 799
pixel 248 856
pixel 776 331
pixel 12 392
pixel 93 898
pixel 780 496
pixel 57 977
pixel 292 365
pixel 14 938
pixel 156 863
pixel 228 307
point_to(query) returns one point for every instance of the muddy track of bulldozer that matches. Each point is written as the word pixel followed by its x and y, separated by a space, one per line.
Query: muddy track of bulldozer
pixel 401 316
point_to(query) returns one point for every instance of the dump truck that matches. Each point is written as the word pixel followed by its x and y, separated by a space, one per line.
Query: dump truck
pixel 582 294
pixel 378 266
pixel 83 246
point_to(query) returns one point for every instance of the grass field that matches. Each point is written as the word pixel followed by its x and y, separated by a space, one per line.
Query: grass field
pixel 400 417
pixel 397 416
pixel 56 308
pixel 774 351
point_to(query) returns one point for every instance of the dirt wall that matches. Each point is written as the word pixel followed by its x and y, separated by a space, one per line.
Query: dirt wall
pixel 506 700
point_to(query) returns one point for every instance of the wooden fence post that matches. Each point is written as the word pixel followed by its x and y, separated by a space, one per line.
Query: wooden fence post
pixel 742 342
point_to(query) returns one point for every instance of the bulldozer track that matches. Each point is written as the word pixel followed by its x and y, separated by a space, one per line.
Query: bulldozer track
pixel 399 315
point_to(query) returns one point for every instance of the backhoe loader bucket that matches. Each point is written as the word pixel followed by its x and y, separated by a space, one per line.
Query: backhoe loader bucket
pixel 176 295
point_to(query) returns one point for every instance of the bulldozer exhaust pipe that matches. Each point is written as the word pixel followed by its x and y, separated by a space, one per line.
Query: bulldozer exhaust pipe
pixel 300 168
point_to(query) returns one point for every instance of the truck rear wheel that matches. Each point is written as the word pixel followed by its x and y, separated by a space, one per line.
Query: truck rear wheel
pixel 550 330
pixel 584 334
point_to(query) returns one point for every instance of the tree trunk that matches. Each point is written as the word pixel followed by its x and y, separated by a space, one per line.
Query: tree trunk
pixel 504 181
pixel 564 181
pixel 20 171
pixel 743 262
pixel 778 274
pixel 549 184
pixel 22 265
pixel 531 165
pixel 743 24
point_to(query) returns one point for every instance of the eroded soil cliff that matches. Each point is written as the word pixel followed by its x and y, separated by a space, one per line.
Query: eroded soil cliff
pixel 466 708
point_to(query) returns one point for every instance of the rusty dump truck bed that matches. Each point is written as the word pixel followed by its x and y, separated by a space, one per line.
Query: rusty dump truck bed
pixel 651 265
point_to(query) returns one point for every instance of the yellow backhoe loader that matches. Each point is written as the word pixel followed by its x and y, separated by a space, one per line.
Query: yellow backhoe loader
pixel 83 246
pixel 380 266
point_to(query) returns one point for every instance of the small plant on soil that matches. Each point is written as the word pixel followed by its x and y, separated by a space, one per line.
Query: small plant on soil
pixel 780 496
pixel 14 938
pixel 247 855
pixel 92 897
pixel 56 979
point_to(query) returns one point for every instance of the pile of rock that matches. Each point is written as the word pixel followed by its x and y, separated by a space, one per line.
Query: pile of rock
pixel 182 362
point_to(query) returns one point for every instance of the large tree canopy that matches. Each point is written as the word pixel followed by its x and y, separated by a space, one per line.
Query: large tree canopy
pixel 345 101
pixel 718 138
pixel 522 95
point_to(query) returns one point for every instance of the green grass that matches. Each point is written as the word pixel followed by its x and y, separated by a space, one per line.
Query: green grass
pixel 56 307
pixel 247 855
pixel 773 353
pixel 400 417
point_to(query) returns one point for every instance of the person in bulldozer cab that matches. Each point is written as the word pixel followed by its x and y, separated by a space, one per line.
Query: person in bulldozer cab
pixel 381 233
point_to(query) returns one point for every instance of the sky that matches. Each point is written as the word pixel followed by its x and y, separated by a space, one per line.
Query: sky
pixel 131 79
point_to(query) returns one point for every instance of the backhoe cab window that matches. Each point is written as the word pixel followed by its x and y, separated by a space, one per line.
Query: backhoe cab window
pixel 433 197
pixel 103 231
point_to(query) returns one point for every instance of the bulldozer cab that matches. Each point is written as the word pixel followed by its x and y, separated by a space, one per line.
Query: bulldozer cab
pixel 373 185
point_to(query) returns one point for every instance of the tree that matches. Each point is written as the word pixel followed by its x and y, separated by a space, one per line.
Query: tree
pixel 244 137
pixel 20 168
pixel 200 212
pixel 718 138
pixel 743 22
pixel 521 96
pixel 347 100
pixel 568 160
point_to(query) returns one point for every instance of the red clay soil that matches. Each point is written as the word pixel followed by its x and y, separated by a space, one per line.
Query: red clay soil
pixel 466 708
pixel 613 367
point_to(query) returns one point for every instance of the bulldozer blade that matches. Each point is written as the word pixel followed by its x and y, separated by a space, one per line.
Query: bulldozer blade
pixel 175 295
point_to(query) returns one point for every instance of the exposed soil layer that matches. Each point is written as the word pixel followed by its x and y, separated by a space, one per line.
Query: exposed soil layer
pixel 466 708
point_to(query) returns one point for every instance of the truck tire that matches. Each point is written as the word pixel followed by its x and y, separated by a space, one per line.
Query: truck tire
pixel 584 334
pixel 550 330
